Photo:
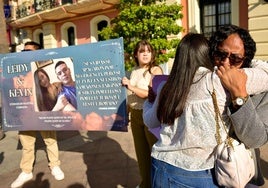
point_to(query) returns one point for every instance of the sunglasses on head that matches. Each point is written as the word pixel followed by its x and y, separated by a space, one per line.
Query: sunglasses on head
pixel 233 58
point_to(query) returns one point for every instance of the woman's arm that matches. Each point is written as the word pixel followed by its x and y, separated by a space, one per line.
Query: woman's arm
pixel 58 86
pixel 257 80
pixel 253 80
pixel 69 107
pixel 142 93
pixel 63 105
pixel 157 70
pixel 60 104
pixel 260 64
pixel 257 77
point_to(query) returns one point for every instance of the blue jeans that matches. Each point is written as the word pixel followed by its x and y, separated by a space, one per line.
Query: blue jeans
pixel 165 175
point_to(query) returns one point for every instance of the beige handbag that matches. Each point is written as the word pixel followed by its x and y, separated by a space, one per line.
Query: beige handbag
pixel 234 164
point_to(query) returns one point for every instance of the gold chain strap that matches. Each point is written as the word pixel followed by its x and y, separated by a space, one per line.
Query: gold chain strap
pixel 218 118
pixel 216 109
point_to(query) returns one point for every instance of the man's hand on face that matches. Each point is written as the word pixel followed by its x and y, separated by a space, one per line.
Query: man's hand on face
pixel 234 80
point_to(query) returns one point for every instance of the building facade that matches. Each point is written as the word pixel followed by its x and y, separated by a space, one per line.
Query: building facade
pixel 59 23
pixel 205 16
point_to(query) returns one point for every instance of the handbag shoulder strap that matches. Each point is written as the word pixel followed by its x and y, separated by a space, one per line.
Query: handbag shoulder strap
pixel 214 99
pixel 218 117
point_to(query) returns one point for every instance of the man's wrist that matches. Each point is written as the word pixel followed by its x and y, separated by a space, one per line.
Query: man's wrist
pixel 241 92
pixel 239 101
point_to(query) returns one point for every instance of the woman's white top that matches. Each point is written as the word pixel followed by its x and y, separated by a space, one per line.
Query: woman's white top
pixel 190 141
pixel 140 77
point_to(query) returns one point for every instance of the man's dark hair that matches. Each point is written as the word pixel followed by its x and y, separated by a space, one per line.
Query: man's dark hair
pixel 59 63
pixel 35 44
pixel 224 32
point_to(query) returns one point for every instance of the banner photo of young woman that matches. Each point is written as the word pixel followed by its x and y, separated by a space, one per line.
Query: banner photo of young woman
pixel 70 88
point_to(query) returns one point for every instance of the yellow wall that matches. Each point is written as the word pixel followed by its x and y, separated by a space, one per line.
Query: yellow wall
pixel 258 26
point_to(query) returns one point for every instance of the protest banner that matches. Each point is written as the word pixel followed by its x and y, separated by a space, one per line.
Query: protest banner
pixel 97 69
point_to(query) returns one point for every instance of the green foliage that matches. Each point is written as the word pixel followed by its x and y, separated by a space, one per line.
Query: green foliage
pixel 151 21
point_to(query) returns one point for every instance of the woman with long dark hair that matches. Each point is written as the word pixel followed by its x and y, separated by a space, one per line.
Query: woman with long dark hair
pixel 183 155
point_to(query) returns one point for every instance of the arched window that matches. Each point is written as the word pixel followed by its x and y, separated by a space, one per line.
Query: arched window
pixel 97 24
pixel 41 40
pixel 101 25
pixel 63 2
pixel 38 36
pixel 71 36
pixel 68 34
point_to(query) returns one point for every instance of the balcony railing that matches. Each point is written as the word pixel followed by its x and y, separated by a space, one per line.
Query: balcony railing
pixel 27 9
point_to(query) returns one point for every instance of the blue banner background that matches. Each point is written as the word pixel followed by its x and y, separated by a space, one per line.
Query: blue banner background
pixel 97 69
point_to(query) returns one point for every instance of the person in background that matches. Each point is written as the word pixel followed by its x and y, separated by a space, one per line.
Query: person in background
pixel 183 155
pixel 31 46
pixel 137 87
pixel 28 138
pixel 249 117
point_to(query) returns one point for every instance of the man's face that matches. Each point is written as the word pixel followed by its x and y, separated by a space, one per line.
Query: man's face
pixel 231 52
pixel 29 48
pixel 64 74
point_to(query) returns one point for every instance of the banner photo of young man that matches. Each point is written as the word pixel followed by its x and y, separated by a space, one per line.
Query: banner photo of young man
pixel 70 88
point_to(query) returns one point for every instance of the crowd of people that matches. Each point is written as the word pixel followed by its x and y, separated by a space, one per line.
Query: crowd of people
pixel 181 155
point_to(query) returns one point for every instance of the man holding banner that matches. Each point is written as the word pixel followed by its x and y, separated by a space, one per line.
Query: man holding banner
pixel 28 138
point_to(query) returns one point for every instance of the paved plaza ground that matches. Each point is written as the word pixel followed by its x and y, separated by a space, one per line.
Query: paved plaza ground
pixel 89 160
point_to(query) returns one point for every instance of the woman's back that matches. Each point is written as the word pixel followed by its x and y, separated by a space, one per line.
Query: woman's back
pixel 193 132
